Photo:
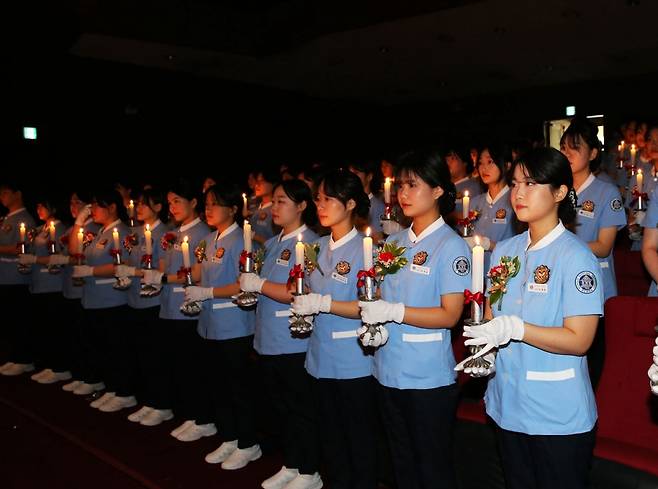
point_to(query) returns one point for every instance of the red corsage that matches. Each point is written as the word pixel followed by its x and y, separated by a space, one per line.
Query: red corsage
pixel 295 273
pixel 168 240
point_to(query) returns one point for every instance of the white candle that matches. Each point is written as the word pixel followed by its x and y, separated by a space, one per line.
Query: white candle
pixel 185 249
pixel 115 237
pixel 51 231
pixel 633 151
pixel 367 251
pixel 148 241
pixel 22 231
pixel 299 251
pixel 244 204
pixel 640 180
pixel 465 204
pixel 131 209
pixel 246 232
pixel 81 239
pixel 477 275
pixel 387 190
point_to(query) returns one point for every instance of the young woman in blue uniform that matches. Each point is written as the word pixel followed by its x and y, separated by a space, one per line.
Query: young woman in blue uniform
pixel 370 176
pixel 541 397
pixel 261 219
pixel 650 243
pixel 419 305
pixel 282 354
pixel 461 168
pixel 344 387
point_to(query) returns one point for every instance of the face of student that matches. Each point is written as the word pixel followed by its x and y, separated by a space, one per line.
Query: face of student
pixel 489 171
pixel 146 212
pixel 456 166
pixel 285 211
pixel 332 211
pixel 416 197
pixel 533 201
pixel 579 157
pixel 262 187
pixel 387 169
pixel 652 143
pixel 103 215
pixel 180 208
pixel 75 205
pixel 218 215
pixel 43 212
pixel 8 197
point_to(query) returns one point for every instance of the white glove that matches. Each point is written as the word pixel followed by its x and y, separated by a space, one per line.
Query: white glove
pixel 124 271
pixel 478 371
pixel 123 283
pixel 152 277
pixel 389 226
pixel 83 215
pixel 80 271
pixel 653 378
pixel 370 338
pixel 484 242
pixel 27 259
pixel 58 259
pixel 378 312
pixel 655 353
pixel 197 294
pixel 250 282
pixel 307 304
pixel 497 332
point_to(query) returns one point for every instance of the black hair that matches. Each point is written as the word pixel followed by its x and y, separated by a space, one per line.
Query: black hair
pixel 464 154
pixel 501 156
pixel 107 195
pixel 82 194
pixel 11 184
pixel 189 190
pixel 583 129
pixel 344 185
pixel 270 175
pixel 153 196
pixel 428 165
pixel 549 166
pixel 298 192
pixel 52 204
pixel 227 194
pixel 369 167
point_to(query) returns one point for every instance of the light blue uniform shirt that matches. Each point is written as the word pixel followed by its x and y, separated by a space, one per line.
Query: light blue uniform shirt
pixel 438 264
pixel 272 335
pixel 222 319
pixel 467 183
pixel 600 207
pixel 10 235
pixel 69 290
pixel 534 391
pixel 651 221
pixel 97 292
pixel 261 221
pixel 377 208
pixel 334 351
pixel 42 281
pixel 173 294
pixel 132 255
pixel 496 220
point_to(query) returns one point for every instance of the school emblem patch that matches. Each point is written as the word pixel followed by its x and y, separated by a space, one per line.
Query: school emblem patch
pixel 542 274
pixel 219 253
pixel 586 282
pixel 588 206
pixel 501 213
pixel 616 205
pixel 285 255
pixel 420 258
pixel 461 266
pixel 343 268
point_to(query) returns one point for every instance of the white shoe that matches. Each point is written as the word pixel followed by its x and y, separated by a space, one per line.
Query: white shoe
pixel 18 369
pixel 241 457
pixel 118 403
pixel 71 386
pixel 5 366
pixel 222 453
pixel 140 414
pixel 280 479
pixel 107 397
pixel 305 481
pixel 156 416
pixel 197 431
pixel 185 425
pixel 85 389
pixel 54 377
pixel 42 373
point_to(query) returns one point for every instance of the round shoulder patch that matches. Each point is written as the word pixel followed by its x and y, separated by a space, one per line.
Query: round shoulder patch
pixel 586 282
pixel 616 205
pixel 461 266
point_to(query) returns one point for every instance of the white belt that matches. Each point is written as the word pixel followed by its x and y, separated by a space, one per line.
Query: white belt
pixel 422 338
pixel 569 373
pixel 178 290
pixel 340 335
pixel 283 314
pixel 9 260
pixel 224 305
pixel 105 281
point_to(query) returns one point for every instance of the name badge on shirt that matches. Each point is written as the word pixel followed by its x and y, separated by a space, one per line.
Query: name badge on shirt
pixel 587 214
pixel 283 263
pixel 339 278
pixel 500 221
pixel 420 269
pixel 538 288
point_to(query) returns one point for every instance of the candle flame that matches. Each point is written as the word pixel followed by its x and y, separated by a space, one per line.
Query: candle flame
pixel 477 240
pixel 632 147
pixel 299 237
pixel 639 172
pixel 131 203
pixel 52 224
pixel 22 225
pixel 388 180
pixel 184 239
pixel 246 222
pixel 466 193
pixel 148 227
pixel 368 231
pixel 115 230
pixel 244 196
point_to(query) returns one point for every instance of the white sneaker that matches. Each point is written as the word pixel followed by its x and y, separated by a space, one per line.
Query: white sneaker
pixel 118 403
pixel 241 457
pixel 71 386
pixel 85 389
pixel 107 397
pixel 18 369
pixel 54 377
pixel 177 431
pixel 41 373
pixel 5 366
pixel 305 481
pixel 197 431
pixel 156 416
pixel 280 479
pixel 140 414
pixel 222 453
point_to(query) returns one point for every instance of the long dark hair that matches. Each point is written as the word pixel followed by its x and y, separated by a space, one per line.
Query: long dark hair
pixel 583 129
pixel 298 192
pixel 227 194
pixel 344 185
pixel 152 196
pixel 107 195
pixel 189 190
pixel 501 156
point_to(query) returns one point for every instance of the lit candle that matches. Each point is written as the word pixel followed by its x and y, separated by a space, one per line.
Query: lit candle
pixel 465 204
pixel 131 209
pixel 623 145
pixel 387 190
pixel 51 230
pixel 477 276
pixel 639 180
pixel 115 237
pixel 244 204
pixel 246 232
pixel 148 241
pixel 185 249
pixel 633 151
pixel 299 251
pixel 22 231
pixel 367 251
pixel 81 239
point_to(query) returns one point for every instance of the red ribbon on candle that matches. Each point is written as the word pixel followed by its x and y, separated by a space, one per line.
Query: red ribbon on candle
pixel 638 194
pixel 243 257
pixel 295 273
pixel 182 272
pixel 146 259
pixel 362 274
pixel 469 297
pixel 114 252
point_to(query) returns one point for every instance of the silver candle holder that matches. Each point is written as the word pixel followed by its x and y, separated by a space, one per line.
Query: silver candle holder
pixel 369 293
pixel 52 250
pixel 476 320
pixel 299 325
pixel 190 308
pixel 79 281
pixel 120 283
pixel 247 299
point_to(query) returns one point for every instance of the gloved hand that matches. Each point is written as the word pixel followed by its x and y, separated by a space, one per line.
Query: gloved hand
pixel 27 259
pixel 152 277
pixel 307 304
pixel 83 215
pixel 250 282
pixel 58 259
pixel 124 271
pixel 80 271
pixel 380 311
pixel 389 226
pixel 374 337
pixel 497 332
pixel 478 371
pixel 655 353
pixel 484 242
pixel 653 378
pixel 197 294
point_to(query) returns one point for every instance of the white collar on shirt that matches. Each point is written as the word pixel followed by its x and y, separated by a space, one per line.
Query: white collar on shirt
pixel 227 231
pixel 110 226
pixel 15 212
pixel 548 239
pixel 155 225
pixel 189 225
pixel 297 231
pixel 265 206
pixel 461 180
pixel 333 245
pixel 87 222
pixel 586 184
pixel 428 230
pixel 371 195
pixel 491 201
